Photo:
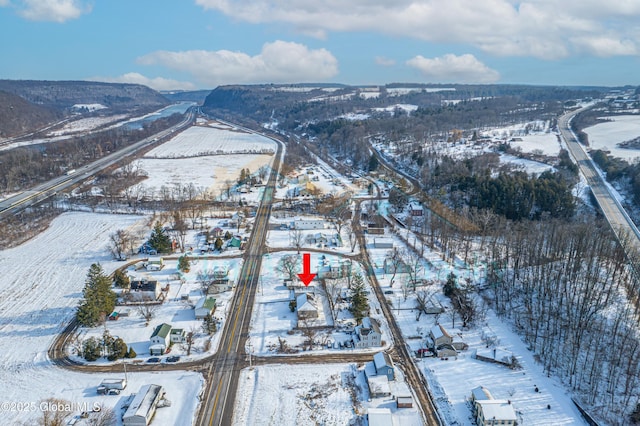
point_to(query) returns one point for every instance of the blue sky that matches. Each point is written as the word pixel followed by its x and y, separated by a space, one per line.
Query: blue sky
pixel 190 44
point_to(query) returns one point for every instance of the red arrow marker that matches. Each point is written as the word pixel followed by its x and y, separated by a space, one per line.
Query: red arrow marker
pixel 306 276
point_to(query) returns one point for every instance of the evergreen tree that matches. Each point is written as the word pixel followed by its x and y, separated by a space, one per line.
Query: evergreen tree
pixel 218 244
pixel 450 286
pixel 359 302
pixel 131 353
pixel 118 350
pixel 91 349
pixel 183 264
pixel 121 279
pixel 209 325
pixel 159 240
pixel 99 300
pixel 373 162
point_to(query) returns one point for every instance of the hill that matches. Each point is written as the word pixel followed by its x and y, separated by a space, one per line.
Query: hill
pixel 62 95
pixel 18 116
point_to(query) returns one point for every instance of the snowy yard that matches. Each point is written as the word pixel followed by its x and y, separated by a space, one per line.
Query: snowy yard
pixel 42 283
pixel 272 317
pixel 327 394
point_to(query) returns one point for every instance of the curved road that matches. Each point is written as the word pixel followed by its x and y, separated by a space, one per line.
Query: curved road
pixel 618 219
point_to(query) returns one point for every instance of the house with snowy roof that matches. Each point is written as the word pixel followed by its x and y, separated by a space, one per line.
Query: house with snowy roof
pixel 490 411
pixel 307 306
pixel 367 334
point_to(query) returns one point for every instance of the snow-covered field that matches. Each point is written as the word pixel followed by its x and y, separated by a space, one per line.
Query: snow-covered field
pixel 86 124
pixel 327 394
pixel 283 395
pixel 201 140
pixel 42 282
pixel 209 173
pixel 207 157
pixel 607 135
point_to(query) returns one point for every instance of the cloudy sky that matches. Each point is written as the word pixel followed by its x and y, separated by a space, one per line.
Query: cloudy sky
pixel 190 44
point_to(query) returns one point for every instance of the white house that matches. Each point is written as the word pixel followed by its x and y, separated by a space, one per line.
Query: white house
pixel 205 306
pixel 384 365
pixel 367 334
pixel 177 335
pixel 143 407
pixel 144 290
pixel 160 339
pixel 495 412
pixel 489 411
pixel 380 417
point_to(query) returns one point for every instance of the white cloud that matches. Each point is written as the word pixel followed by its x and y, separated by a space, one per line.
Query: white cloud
pixel 51 10
pixel 279 61
pixel 546 29
pixel 385 62
pixel 4 3
pixel 158 83
pixel 454 69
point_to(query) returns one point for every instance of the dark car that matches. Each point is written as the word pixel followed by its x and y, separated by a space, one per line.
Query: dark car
pixel 174 358
pixel 155 359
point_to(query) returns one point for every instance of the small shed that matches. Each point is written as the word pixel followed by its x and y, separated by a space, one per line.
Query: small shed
pixel 440 336
pixel 383 243
pixel 404 402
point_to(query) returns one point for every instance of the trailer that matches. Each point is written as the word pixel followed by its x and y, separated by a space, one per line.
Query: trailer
pixel 109 386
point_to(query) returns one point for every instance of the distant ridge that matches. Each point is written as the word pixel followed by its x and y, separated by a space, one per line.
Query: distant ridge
pixel 61 95
pixel 18 116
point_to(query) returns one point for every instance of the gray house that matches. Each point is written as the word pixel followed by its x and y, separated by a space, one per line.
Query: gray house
pixel 384 365
pixel 367 334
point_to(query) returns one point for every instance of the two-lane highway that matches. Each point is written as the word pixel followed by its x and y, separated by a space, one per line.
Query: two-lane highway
pixel 48 189
pixel 615 214
pixel 224 371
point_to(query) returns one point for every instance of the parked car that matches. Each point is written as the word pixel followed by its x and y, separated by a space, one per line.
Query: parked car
pixel 173 358
pixel 154 359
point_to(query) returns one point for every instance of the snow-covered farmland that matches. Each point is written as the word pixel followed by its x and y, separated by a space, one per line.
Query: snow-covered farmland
pixel 200 140
pixel 210 173
pixel 207 157
pixel 620 128
pixel 85 124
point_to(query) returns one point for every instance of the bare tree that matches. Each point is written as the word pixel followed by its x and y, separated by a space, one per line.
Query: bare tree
pixel 351 236
pixel 296 238
pixel 414 266
pixel 104 416
pixel 190 339
pixel 119 241
pixel 56 412
pixel 309 333
pixel 179 231
pixel 394 261
pixel 148 312
pixel 288 266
